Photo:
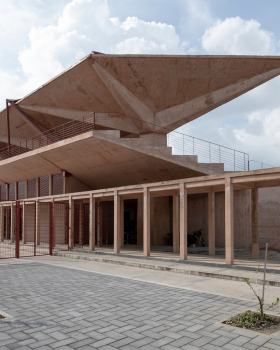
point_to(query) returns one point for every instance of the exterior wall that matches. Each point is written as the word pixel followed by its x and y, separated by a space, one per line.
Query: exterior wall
pixel 269 218
pixel 71 185
pixel 29 223
pixel 159 221
pixel 59 224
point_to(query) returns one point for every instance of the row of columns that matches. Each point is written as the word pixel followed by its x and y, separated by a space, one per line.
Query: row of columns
pixel 179 222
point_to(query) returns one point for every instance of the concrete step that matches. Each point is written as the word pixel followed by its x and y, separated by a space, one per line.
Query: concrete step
pixel 238 273
pixel 147 145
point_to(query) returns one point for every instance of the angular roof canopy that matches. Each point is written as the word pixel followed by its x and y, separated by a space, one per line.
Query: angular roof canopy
pixel 164 92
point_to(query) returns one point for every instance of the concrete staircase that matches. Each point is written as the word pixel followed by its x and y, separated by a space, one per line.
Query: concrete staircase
pixel 156 146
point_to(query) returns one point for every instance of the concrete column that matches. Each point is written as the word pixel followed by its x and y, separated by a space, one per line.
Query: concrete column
pixel 122 223
pixel 255 223
pixel 24 222
pixel 211 223
pixel 183 222
pixel 99 224
pixel 71 223
pixel 81 221
pixel 54 224
pixel 91 223
pixel 2 224
pixel 37 228
pixel 13 211
pixel 176 223
pixel 229 226
pixel 117 223
pixel 50 184
pixel 146 222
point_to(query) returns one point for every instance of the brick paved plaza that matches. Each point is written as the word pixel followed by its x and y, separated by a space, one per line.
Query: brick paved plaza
pixel 53 307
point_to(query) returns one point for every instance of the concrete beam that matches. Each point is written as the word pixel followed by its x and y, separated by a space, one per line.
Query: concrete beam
pixel 130 104
pixel 174 117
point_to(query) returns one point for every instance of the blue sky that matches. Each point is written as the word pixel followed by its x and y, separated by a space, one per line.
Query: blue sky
pixel 41 38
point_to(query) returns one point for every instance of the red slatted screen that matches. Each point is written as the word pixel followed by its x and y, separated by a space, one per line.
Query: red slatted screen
pixel 12 192
pixel 21 190
pixel 57 184
pixel 44 186
pixel 3 193
pixel 31 188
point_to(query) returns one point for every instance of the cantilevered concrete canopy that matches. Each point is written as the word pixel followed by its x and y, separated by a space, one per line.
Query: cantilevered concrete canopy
pixel 166 91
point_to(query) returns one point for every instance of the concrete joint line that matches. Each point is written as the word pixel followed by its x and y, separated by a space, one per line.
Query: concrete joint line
pixel 171 269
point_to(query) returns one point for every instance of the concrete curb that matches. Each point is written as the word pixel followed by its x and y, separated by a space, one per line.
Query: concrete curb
pixel 185 262
pixel 167 268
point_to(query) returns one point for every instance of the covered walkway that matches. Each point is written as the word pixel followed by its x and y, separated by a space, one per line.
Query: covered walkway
pixel 178 189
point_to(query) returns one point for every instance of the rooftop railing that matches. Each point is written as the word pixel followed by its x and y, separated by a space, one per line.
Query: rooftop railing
pixel 182 144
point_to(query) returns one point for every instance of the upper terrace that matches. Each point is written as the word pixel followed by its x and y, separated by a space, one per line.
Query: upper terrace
pixel 109 120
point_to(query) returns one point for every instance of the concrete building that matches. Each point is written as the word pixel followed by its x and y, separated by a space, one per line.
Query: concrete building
pixel 108 122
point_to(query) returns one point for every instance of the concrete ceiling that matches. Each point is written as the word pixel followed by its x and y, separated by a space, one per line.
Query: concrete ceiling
pixel 96 162
pixel 166 91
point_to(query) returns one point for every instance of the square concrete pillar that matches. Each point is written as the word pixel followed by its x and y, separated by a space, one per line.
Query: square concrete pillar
pixel 2 224
pixel 54 223
pixel 99 224
pixel 24 223
pixel 117 223
pixel 211 223
pixel 81 223
pixel 37 227
pixel 91 223
pixel 255 223
pixel 146 222
pixel 229 226
pixel 122 223
pixel 183 222
pixel 13 216
pixel 71 223
pixel 176 223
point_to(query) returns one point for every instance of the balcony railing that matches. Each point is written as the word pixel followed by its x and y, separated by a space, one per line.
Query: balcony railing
pixel 182 144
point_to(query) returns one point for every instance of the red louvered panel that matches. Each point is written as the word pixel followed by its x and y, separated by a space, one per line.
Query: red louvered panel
pixel 44 186
pixel 3 193
pixel 57 184
pixel 21 189
pixel 31 188
pixel 12 192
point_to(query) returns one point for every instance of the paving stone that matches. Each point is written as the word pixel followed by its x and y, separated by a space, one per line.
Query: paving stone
pixel 84 310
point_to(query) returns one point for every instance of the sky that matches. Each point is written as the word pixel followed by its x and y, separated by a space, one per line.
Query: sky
pixel 41 38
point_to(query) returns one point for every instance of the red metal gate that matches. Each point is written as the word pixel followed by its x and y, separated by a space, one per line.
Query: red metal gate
pixel 32 229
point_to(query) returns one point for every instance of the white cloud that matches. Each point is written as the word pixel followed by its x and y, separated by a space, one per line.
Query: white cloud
pixel 260 132
pixel 236 36
pixel 85 25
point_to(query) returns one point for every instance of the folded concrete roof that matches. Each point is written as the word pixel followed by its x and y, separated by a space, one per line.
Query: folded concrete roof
pixel 165 91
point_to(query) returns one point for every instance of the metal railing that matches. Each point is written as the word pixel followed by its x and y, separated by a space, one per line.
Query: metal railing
pixel 255 165
pixel 181 144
